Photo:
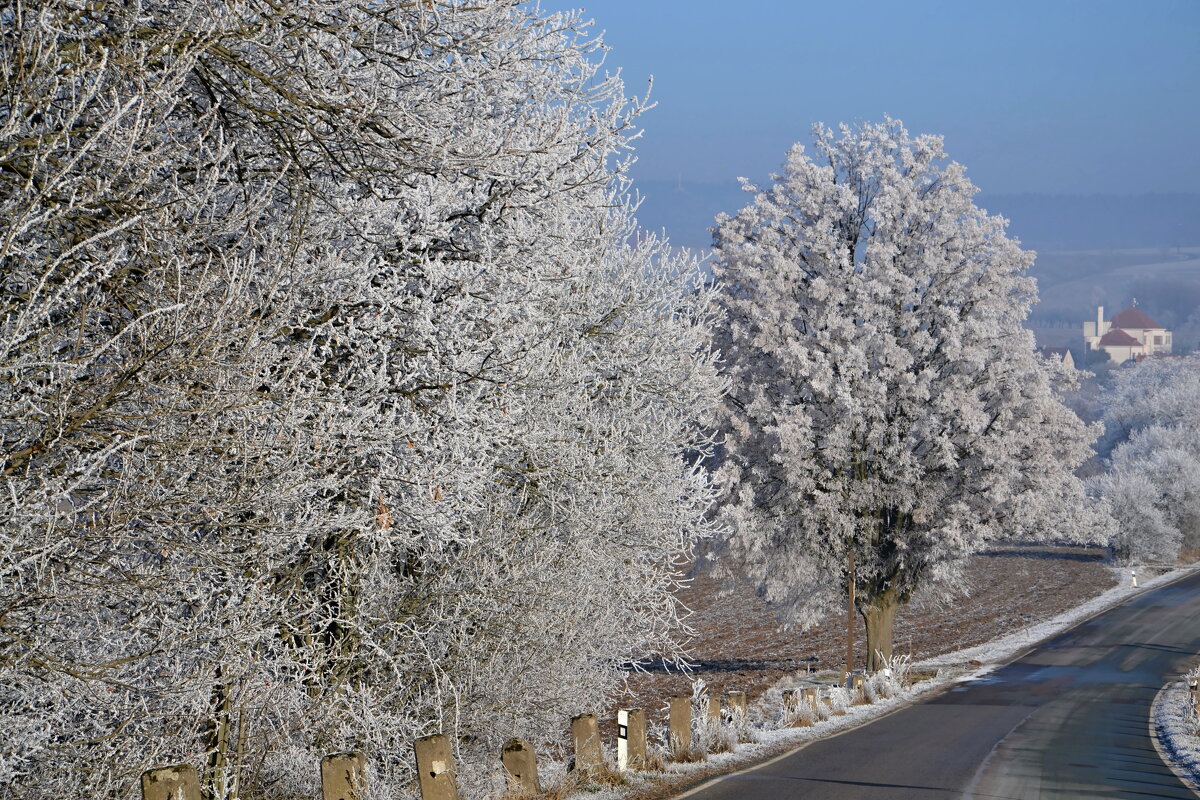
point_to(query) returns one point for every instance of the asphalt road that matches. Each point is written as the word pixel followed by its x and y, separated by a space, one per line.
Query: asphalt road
pixel 1068 720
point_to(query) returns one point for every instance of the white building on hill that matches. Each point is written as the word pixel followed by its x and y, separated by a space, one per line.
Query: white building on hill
pixel 1129 335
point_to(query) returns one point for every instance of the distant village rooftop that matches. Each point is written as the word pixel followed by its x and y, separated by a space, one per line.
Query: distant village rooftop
pixel 1129 335
pixel 1118 338
pixel 1132 318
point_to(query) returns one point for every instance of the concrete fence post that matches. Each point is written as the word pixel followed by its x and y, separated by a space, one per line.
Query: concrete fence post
pixel 736 701
pixel 631 739
pixel 791 701
pixel 344 776
pixel 809 696
pixel 856 687
pixel 520 762
pixel 714 710
pixel 679 725
pixel 586 738
pixel 176 782
pixel 435 768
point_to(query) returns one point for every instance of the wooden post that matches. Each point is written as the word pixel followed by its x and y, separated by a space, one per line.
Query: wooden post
pixel 344 776
pixel 679 725
pixel 435 768
pixel 520 761
pixel 176 782
pixel 631 739
pixel 586 738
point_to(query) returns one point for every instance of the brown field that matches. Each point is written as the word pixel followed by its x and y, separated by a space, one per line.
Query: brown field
pixel 739 645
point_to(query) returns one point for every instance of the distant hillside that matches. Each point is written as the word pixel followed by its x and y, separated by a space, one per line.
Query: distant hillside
pixel 686 210
pixel 1164 282
pixel 1046 223
pixel 1098 250
pixel 1050 223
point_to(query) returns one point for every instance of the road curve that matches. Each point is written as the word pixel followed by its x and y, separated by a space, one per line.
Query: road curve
pixel 1069 719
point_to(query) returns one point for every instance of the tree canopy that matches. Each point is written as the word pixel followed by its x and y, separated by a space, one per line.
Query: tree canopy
pixel 886 400
pixel 343 401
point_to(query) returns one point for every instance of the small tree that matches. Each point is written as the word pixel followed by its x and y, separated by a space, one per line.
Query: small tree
pixel 887 402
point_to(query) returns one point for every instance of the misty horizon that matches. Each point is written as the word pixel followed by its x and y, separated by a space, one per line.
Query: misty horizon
pixel 1047 223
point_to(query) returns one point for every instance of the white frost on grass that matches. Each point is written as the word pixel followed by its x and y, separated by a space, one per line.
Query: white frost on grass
pixel 1175 724
pixel 773 741
pixel 953 667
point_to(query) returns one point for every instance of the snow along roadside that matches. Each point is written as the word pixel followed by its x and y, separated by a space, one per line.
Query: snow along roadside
pixel 1007 648
pixel 776 742
pixel 1173 731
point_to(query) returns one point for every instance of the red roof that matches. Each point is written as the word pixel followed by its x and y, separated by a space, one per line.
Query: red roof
pixel 1119 338
pixel 1132 319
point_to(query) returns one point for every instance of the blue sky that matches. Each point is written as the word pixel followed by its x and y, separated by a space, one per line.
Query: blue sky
pixel 1053 96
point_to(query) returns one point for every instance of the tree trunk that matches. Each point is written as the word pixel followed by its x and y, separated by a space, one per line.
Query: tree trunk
pixel 215 733
pixel 879 615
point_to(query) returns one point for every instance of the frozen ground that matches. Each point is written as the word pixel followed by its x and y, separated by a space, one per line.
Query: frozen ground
pixel 738 644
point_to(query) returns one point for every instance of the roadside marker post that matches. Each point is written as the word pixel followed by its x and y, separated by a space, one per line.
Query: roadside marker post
pixel 679 725
pixel 586 738
pixel 435 768
pixel 176 782
pixel 520 762
pixel 631 739
pixel 344 776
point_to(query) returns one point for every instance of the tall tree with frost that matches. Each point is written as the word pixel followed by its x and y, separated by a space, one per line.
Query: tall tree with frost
pixel 340 392
pixel 887 402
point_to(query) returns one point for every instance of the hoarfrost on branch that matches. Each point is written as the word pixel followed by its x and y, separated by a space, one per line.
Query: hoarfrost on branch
pixel 886 399
pixel 342 401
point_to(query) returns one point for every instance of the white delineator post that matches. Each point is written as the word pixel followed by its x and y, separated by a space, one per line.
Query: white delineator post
pixel 631 739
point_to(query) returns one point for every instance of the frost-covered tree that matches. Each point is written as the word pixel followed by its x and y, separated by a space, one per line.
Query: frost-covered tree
pixel 886 401
pixel 342 400
pixel 1157 391
pixel 1153 482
